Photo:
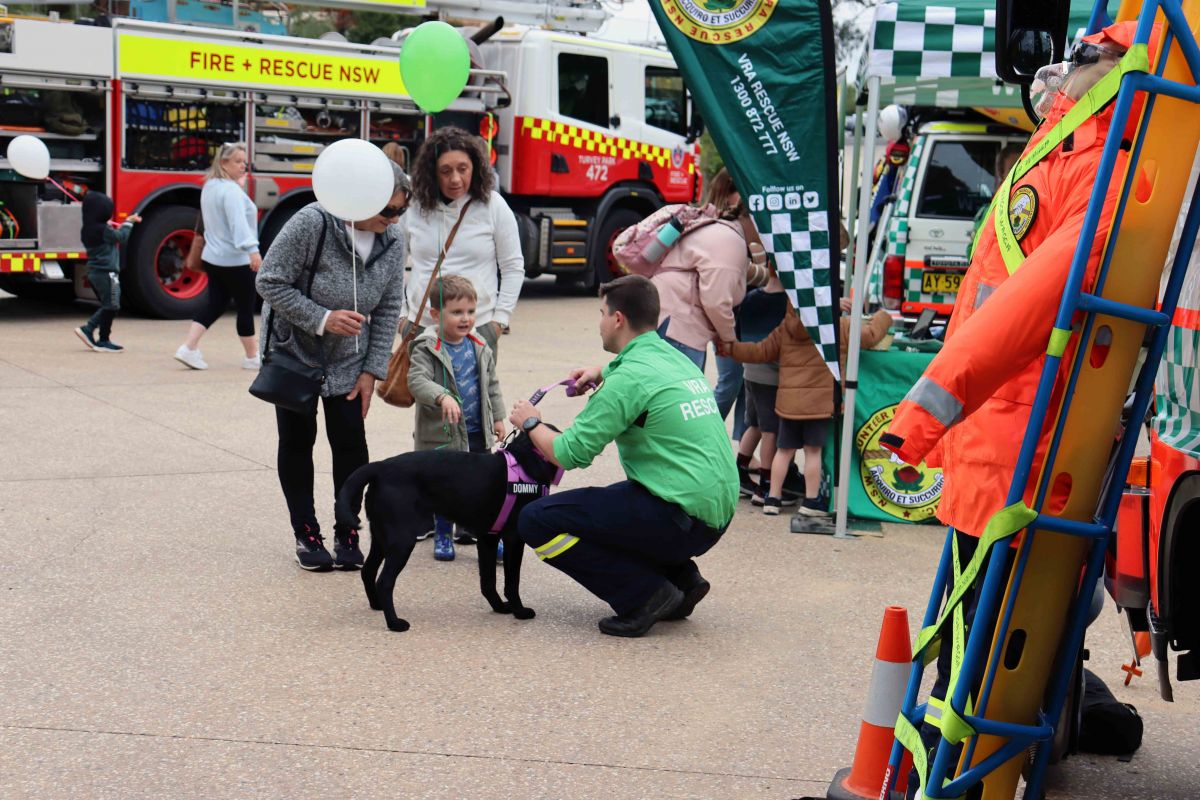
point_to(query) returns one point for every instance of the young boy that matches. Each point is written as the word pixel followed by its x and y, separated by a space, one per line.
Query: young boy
pixel 452 376
pixel 104 262
pixel 760 313
pixel 804 401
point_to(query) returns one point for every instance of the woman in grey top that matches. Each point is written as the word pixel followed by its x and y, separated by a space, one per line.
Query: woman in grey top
pixel 362 263
pixel 230 255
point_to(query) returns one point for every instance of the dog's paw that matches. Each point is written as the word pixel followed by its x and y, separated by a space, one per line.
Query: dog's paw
pixel 400 626
pixel 521 612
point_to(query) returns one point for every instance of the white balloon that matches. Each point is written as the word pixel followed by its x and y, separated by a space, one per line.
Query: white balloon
pixel 29 157
pixel 892 120
pixel 352 179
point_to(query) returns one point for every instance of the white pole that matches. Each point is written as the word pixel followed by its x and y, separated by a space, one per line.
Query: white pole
pixel 852 210
pixel 856 309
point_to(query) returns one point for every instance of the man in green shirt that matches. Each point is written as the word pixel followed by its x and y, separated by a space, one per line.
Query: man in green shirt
pixel 632 544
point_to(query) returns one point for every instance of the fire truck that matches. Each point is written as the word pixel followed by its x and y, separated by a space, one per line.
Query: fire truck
pixel 1158 525
pixel 598 135
pixel 592 136
pixel 137 110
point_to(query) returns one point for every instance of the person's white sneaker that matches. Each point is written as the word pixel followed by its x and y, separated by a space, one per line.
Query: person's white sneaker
pixel 252 363
pixel 191 358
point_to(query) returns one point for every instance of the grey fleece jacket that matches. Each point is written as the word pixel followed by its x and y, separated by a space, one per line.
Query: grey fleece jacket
pixel 430 375
pixel 284 277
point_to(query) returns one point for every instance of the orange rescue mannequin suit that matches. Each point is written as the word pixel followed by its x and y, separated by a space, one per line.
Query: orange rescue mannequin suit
pixel 969 411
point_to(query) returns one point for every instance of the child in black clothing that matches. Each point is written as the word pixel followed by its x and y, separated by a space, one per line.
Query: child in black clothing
pixel 104 264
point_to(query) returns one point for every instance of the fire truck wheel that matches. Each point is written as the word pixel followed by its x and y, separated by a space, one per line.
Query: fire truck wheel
pixel 602 267
pixel 158 283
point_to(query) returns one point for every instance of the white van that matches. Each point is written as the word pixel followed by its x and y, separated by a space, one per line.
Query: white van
pixel 948 179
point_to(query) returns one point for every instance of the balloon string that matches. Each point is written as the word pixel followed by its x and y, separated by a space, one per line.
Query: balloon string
pixel 354 272
pixel 62 189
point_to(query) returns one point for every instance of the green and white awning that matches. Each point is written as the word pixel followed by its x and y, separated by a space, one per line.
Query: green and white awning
pixel 932 52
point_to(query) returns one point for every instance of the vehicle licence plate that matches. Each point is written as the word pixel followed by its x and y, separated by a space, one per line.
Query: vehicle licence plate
pixel 940 282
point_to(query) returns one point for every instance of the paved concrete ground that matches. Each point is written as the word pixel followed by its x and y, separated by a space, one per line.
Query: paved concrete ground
pixel 160 642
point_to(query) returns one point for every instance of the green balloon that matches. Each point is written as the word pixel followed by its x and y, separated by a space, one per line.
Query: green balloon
pixel 434 65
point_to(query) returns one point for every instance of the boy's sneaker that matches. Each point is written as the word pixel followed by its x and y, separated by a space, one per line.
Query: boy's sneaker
pixel 191 358
pixel 794 482
pixel 443 547
pixel 252 363
pixel 346 554
pixel 787 500
pixel 106 346
pixel 812 507
pixel 500 552
pixel 748 487
pixel 462 537
pixel 311 553
pixel 423 536
pixel 84 332
pixel 771 506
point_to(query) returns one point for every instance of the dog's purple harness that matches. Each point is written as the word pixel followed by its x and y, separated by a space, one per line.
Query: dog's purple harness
pixel 519 483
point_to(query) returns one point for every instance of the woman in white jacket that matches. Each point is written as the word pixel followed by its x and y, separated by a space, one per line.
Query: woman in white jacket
pixel 450 169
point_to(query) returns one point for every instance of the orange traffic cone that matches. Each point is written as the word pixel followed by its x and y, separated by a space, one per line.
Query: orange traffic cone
pixel 889 679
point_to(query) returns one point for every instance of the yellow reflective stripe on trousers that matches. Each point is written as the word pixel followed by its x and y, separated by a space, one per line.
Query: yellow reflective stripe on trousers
pixel 556 546
pixel 1137 59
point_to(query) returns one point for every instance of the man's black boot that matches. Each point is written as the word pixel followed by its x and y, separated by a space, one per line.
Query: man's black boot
pixel 693 593
pixel 664 601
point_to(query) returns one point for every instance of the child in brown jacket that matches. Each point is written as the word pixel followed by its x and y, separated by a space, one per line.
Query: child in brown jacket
pixel 804 399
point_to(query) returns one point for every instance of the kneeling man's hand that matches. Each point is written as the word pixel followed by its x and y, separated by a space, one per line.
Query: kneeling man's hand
pixel 521 411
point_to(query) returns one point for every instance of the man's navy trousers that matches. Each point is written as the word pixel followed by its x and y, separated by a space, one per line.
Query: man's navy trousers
pixel 621 542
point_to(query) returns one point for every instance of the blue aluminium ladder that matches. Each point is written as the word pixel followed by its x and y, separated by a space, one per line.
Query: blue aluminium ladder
pixel 979 654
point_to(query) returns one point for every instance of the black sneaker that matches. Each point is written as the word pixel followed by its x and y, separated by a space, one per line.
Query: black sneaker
pixel 748 486
pixel 311 553
pixel 346 554
pixel 106 346
pixel 812 507
pixel 794 482
pixel 786 501
pixel 84 332
pixel 771 506
pixel 423 536
pixel 462 537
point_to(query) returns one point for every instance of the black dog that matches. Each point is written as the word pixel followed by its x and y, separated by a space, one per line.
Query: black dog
pixel 403 494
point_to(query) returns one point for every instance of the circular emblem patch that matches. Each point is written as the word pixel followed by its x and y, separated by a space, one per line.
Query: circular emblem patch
pixel 718 21
pixel 1022 210
pixel 905 492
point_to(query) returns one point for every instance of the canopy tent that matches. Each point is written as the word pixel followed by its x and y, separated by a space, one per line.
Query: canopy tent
pixel 928 53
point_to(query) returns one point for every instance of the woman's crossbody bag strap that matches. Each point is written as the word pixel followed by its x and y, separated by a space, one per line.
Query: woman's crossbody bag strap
pixel 433 276
pixel 312 273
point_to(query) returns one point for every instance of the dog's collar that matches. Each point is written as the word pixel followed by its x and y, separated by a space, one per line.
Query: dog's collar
pixel 518 484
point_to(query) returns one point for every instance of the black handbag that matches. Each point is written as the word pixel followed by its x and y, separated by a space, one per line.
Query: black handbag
pixel 283 379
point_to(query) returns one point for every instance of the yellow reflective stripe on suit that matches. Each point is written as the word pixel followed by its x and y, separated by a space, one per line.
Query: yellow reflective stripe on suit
pixel 556 546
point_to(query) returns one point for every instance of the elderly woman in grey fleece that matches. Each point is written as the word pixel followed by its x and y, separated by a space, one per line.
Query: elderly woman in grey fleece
pixel 351 318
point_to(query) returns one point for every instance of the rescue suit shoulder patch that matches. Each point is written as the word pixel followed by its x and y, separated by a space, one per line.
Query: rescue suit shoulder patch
pixel 1022 210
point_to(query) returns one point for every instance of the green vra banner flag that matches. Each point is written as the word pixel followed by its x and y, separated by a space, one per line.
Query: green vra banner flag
pixel 761 73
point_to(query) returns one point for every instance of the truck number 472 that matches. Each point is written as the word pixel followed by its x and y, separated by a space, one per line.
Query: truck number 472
pixel 598 172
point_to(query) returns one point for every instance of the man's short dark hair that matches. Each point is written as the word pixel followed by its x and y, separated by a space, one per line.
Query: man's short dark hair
pixel 635 297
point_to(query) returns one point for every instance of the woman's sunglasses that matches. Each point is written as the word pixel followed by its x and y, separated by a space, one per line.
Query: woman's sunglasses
pixel 393 212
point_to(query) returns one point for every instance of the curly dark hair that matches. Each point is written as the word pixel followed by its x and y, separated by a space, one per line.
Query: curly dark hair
pixel 440 142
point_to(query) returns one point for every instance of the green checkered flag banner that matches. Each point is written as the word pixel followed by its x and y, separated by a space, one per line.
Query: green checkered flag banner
pixel 770 107
pixel 935 40
pixel 799 242
pixel 941 53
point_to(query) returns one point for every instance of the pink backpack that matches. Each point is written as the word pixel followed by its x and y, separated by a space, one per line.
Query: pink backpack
pixel 630 246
